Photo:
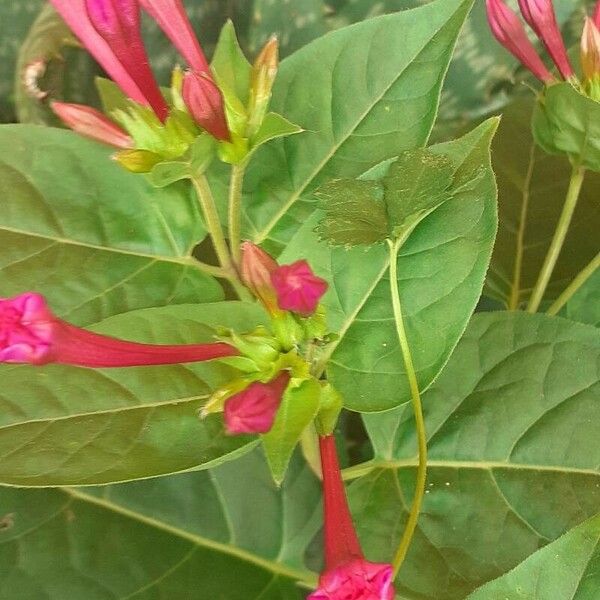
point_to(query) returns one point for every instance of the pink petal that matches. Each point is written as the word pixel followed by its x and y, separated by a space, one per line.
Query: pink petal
pixel 298 288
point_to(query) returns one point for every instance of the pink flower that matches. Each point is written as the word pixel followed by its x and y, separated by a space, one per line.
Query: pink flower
pixel 172 19
pixel 509 31
pixel 298 288
pixel 30 333
pixel 541 17
pixel 348 576
pixel 253 410
pixel 357 580
pixel 91 123
pixel 256 269
pixel 205 103
pixel 596 16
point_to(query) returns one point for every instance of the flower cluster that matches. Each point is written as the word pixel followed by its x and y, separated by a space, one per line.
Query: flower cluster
pixel 541 17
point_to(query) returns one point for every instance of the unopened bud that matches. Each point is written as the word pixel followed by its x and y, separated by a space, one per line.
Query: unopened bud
pixel 264 72
pixel 92 124
pixel 256 268
pixel 590 50
pixel 204 100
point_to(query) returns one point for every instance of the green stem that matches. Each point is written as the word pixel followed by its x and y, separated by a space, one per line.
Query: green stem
pixel 581 278
pixel 213 225
pixel 421 479
pixel 235 211
pixel 558 240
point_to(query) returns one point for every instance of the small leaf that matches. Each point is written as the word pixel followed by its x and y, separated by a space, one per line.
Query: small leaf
pixel 567 569
pixel 416 184
pixel 230 67
pixel 354 212
pixel 274 126
pixel 567 122
pixel 298 408
pixel 111 96
pixel 168 172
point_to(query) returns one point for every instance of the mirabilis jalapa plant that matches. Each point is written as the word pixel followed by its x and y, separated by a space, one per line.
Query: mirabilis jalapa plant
pixel 281 389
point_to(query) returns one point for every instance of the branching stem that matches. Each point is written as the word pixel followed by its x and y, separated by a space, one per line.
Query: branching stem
pixel 558 240
pixel 421 479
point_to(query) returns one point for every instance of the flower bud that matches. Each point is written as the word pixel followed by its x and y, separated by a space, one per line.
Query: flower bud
pixel 91 123
pixel 298 288
pixel 590 50
pixel 264 72
pixel 137 161
pixel 205 102
pixel 257 267
pixel 253 410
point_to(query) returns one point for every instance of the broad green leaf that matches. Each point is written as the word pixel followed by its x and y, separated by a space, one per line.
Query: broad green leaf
pixel 190 536
pixel 566 122
pixel 565 570
pixel 532 188
pixel 295 24
pixel 441 269
pixel 584 306
pixel 362 94
pixel 298 408
pixel 95 239
pixel 355 212
pixel 63 425
pixel 512 424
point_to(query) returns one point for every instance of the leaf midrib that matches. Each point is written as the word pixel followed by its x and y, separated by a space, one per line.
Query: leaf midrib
pixel 305 577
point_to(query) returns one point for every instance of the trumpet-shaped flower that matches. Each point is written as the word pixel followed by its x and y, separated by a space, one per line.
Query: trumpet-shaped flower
pixel 253 410
pixel 298 288
pixel 541 17
pixel 31 333
pixel 93 124
pixel 348 575
pixel 509 31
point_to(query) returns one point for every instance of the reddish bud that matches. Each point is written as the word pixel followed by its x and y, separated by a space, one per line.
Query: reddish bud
pixel 541 17
pixel 590 50
pixel 172 19
pixel 30 333
pixel 298 288
pixel 257 267
pixel 205 102
pixel 91 123
pixel 264 72
pixel 118 24
pixel 253 410
pixel 509 31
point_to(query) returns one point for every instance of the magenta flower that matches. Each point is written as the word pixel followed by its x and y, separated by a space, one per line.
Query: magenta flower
pixel 205 103
pixel 298 288
pixel 541 17
pixel 509 31
pixel 30 333
pixel 253 410
pixel 172 19
pixel 596 16
pixel 256 269
pixel 347 576
pixel 89 122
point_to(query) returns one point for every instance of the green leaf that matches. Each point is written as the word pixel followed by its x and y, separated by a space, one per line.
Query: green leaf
pixel 91 237
pixel 584 306
pixel 564 570
pixel 532 189
pixel 63 425
pixel 355 212
pixel 111 96
pixel 441 269
pixel 295 24
pixel 567 122
pixel 512 425
pixel 182 536
pixel 298 408
pixel 274 126
pixel 362 94
pixel 230 66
